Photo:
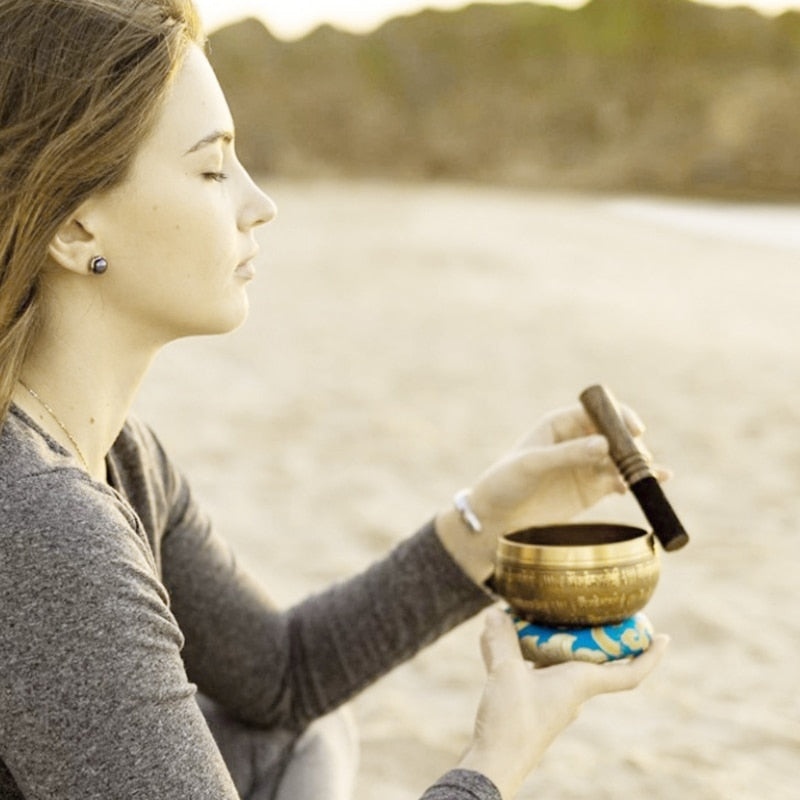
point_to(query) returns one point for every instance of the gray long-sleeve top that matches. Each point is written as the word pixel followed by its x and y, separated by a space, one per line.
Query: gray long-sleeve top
pixel 119 600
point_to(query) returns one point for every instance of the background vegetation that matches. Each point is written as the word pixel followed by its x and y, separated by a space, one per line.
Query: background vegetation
pixel 651 95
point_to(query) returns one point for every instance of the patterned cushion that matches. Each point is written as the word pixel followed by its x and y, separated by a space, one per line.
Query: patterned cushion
pixel 546 646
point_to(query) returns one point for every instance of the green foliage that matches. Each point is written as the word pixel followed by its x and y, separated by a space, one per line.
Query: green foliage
pixel 659 95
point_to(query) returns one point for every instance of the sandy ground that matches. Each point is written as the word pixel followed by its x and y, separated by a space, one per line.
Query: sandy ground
pixel 402 337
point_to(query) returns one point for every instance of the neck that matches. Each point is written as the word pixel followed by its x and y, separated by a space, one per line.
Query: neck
pixel 88 376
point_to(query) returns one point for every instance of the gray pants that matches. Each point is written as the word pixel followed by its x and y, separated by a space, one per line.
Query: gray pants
pixel 275 765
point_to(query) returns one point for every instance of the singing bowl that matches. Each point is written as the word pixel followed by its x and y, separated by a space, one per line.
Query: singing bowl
pixel 577 575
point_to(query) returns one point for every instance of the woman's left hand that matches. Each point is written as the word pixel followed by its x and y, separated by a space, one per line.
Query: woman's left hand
pixel 559 469
pixel 523 709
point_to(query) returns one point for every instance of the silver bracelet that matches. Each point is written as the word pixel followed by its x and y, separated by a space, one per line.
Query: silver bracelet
pixel 469 517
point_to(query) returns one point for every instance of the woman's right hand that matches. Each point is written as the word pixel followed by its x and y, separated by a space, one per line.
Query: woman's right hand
pixel 523 709
pixel 558 470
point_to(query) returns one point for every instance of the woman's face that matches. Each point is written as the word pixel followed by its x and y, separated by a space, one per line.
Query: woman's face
pixel 178 233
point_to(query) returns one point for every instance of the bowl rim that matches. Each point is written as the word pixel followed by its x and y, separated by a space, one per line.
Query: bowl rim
pixel 610 544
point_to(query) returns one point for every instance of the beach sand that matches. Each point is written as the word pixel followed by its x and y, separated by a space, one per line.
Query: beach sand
pixel 402 337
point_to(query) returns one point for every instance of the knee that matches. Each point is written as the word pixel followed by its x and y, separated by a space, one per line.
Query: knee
pixel 334 736
pixel 324 760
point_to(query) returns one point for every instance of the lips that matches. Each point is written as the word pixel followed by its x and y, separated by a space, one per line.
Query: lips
pixel 247 268
pixel 248 259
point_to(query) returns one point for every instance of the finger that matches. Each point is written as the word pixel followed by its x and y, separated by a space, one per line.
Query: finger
pixel 632 420
pixel 573 422
pixel 615 482
pixel 569 423
pixel 499 642
pixel 606 479
pixel 622 676
pixel 662 473
pixel 572 453
pixel 559 425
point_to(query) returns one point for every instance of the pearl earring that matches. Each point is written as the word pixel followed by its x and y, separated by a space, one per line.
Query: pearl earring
pixel 98 265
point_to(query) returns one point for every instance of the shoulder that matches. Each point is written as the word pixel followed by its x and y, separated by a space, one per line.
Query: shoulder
pixel 69 546
pixel 77 573
pixel 50 509
pixel 138 454
pixel 58 523
pixel 75 565
pixel 26 451
pixel 40 486
pixel 138 444
pixel 147 477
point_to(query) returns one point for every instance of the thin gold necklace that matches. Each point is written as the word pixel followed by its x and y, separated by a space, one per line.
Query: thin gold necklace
pixel 58 422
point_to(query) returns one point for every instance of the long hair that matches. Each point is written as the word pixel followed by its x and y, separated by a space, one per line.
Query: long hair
pixel 81 84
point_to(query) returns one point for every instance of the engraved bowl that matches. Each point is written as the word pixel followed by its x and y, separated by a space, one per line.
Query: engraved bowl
pixel 577 575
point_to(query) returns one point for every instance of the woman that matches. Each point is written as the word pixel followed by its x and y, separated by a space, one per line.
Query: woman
pixel 127 222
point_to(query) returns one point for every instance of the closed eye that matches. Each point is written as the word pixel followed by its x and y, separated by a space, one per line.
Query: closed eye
pixel 215 176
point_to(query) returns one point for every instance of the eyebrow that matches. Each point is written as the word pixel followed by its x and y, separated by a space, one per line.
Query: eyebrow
pixel 212 138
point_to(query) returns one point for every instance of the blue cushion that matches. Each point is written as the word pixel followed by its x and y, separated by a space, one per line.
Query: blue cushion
pixel 545 646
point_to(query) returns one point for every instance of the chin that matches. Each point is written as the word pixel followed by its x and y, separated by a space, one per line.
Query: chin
pixel 232 322
pixel 233 318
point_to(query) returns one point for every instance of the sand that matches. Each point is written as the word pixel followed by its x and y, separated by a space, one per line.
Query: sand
pixel 401 337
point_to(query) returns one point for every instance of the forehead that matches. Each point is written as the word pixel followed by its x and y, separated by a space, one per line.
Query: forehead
pixel 194 107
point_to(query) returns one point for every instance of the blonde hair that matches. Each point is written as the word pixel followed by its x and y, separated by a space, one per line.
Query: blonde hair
pixel 81 83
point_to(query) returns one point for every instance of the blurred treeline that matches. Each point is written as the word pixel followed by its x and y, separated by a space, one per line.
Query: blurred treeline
pixel 650 95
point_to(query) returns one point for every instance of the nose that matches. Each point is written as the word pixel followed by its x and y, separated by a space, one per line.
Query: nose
pixel 259 208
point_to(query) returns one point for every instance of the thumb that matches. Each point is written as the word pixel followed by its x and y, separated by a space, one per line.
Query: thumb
pixel 499 642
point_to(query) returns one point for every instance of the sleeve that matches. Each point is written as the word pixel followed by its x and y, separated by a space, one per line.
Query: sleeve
pixel 462 784
pixel 271 667
pixel 95 700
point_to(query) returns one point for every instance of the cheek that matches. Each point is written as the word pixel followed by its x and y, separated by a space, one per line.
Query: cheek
pixel 202 211
pixel 187 225
pixel 167 216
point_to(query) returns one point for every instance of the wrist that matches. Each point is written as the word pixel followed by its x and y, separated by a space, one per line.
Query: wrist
pixel 473 551
pixel 501 773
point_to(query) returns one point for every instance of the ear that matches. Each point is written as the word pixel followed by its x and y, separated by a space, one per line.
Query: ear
pixel 74 244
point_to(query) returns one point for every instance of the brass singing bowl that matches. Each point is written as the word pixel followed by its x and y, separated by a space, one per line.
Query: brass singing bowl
pixel 577 575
